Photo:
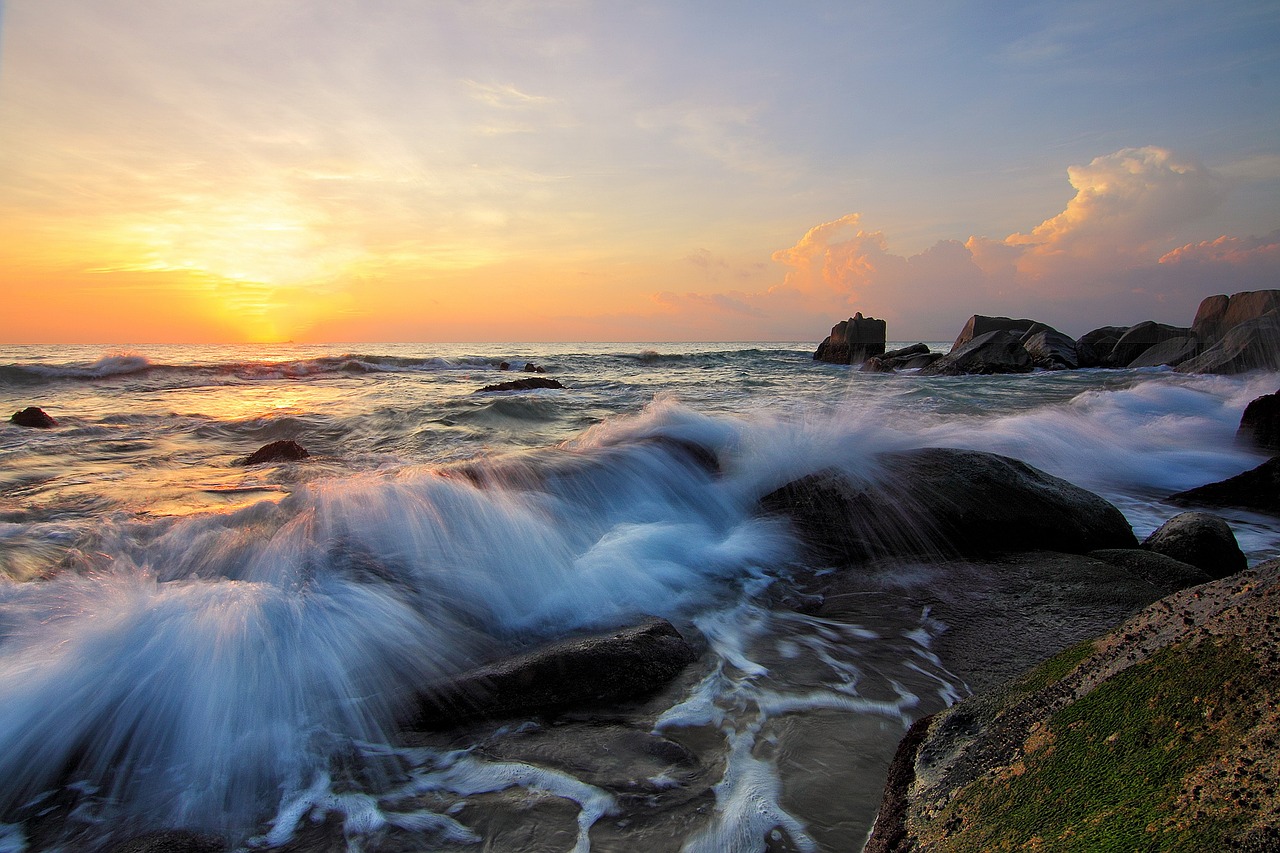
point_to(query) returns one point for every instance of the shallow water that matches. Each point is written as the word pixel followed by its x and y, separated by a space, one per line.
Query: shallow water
pixel 185 641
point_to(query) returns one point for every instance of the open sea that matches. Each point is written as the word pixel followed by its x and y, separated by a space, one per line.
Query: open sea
pixel 188 642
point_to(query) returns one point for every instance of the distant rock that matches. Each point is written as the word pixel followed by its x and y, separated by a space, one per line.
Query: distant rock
pixel 599 669
pixel 33 417
pixel 530 367
pixel 989 353
pixel 276 451
pixel 1251 345
pixel 1260 424
pixel 980 324
pixel 1171 352
pixel 852 341
pixel 506 365
pixel 1050 349
pixel 1159 735
pixel 1219 314
pixel 1200 539
pixel 1093 349
pixel 943 501
pixel 1258 489
pixel 1139 338
pixel 911 357
pixel 529 384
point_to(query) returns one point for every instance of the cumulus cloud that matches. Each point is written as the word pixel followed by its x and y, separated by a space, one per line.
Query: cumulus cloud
pixel 1110 256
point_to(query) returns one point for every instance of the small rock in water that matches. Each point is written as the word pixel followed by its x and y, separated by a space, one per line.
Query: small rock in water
pixel 521 385
pixel 1201 539
pixel 530 367
pixel 32 416
pixel 277 451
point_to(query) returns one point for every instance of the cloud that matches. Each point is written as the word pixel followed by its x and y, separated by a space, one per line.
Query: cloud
pixel 1111 256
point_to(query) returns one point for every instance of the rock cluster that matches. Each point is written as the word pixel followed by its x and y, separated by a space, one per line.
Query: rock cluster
pixel 1230 334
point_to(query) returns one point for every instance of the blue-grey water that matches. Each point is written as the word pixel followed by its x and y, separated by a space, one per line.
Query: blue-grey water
pixel 188 642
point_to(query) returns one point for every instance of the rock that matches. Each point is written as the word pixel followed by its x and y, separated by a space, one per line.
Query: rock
pixel 171 841
pixel 906 352
pixel 530 367
pixel 597 669
pixel 1218 315
pixel 1251 345
pixel 993 352
pixel 1159 735
pixel 1093 349
pixel 913 357
pixel 506 365
pixel 35 417
pixel 875 364
pixel 947 501
pixel 1258 489
pixel 1051 350
pixel 521 385
pixel 979 325
pixel 1140 338
pixel 852 341
pixel 1200 539
pixel 1171 352
pixel 276 451
pixel 1260 424
pixel 1161 571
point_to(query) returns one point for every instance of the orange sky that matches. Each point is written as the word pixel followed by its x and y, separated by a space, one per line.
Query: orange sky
pixel 259 172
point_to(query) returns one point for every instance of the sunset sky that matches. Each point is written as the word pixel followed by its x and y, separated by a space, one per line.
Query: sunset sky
pixel 387 170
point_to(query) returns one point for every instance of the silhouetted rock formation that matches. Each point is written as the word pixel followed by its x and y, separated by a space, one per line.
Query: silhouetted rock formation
pixel 529 384
pixel 276 451
pixel 1260 423
pixel 33 417
pixel 1258 489
pixel 852 341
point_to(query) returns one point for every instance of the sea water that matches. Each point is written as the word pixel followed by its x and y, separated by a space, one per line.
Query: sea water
pixel 189 642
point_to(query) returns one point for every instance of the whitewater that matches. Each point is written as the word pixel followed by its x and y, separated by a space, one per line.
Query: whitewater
pixel 188 642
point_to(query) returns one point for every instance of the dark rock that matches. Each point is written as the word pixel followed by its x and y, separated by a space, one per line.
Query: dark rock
pixel 1200 539
pixel 1164 572
pixel 1258 489
pixel 852 341
pixel 1171 352
pixel 1218 315
pixel 521 385
pixel 907 352
pixel 897 792
pixel 530 367
pixel 603 668
pixel 171 841
pixel 979 325
pixel 1051 350
pixel 914 357
pixel 1260 424
pixel 939 500
pixel 1140 338
pixel 276 451
pixel 919 362
pixel 32 416
pixel 992 352
pixel 1251 345
pixel 875 364
pixel 1093 349
pixel 506 365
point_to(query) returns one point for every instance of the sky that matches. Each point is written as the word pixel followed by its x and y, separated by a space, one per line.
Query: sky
pixel 414 170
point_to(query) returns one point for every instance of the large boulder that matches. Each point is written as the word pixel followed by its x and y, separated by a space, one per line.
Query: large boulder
pixel 992 352
pixel 980 324
pixel 1219 314
pixel 1257 489
pixel 33 416
pixel 944 501
pixel 1260 424
pixel 1159 735
pixel 1170 352
pixel 1201 539
pixel 597 669
pixel 1094 348
pixel 1051 350
pixel 852 341
pixel 1138 339
pixel 1251 345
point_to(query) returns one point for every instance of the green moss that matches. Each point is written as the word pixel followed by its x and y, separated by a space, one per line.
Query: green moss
pixel 1052 670
pixel 1107 773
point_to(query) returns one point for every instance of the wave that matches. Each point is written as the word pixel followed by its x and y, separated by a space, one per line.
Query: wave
pixel 124 364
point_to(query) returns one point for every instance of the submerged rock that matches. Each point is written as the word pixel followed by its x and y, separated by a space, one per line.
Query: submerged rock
pixel 601 668
pixel 1257 489
pixel 529 384
pixel 1159 735
pixel 1260 423
pixel 1201 539
pixel 945 501
pixel 35 417
pixel 276 451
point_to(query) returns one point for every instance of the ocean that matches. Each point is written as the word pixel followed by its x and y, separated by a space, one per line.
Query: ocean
pixel 189 642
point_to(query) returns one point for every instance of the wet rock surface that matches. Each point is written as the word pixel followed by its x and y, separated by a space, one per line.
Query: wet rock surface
pixel 34 417
pixel 277 451
pixel 530 384
pixel 1201 539
pixel 1257 489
